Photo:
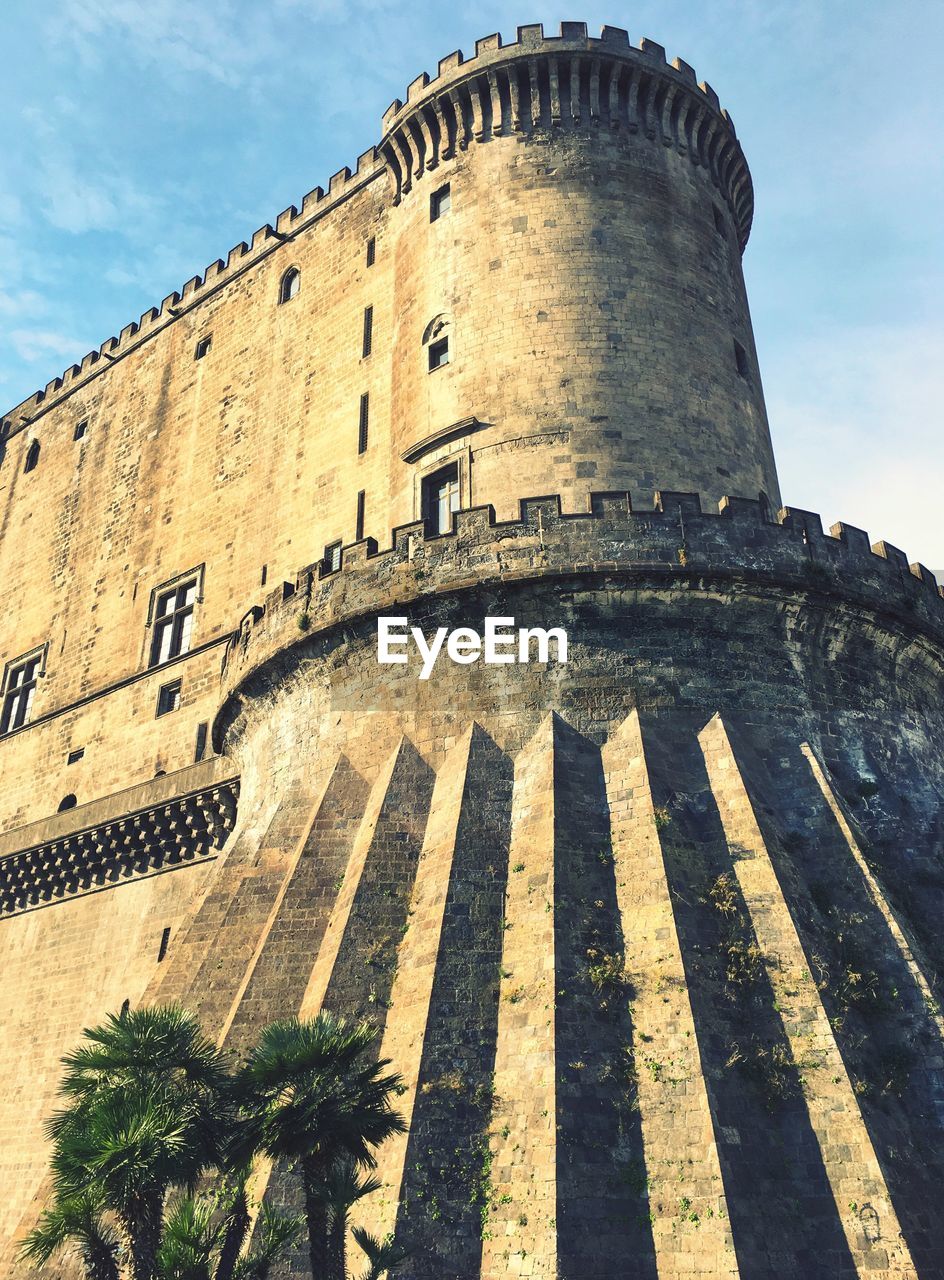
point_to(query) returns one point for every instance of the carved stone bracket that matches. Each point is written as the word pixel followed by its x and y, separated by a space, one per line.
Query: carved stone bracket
pixel 185 829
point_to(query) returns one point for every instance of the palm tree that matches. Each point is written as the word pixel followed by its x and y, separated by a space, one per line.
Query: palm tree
pixel 148 1109
pixel 77 1222
pixel 312 1093
pixel 382 1255
pixel 341 1191
pixel 196 1243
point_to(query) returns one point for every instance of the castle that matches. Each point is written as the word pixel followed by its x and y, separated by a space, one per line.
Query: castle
pixel 652 934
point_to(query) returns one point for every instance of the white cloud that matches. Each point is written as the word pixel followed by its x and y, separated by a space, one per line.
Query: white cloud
pixel 23 302
pixel 38 344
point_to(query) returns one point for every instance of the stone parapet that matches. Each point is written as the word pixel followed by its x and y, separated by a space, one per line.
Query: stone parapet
pixel 134 833
pixel 674 542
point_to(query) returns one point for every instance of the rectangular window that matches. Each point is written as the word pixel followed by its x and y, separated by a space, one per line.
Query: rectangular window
pixel 740 359
pixel 359 524
pixel 719 222
pixel 440 202
pixel 168 697
pixel 438 353
pixel 371 251
pixel 263 575
pixel 18 696
pixel 332 557
pixel 75 756
pixel 80 429
pixel 363 423
pixel 200 749
pixel 162 949
pixel 368 331
pixel 173 622
pixel 203 346
pixel 441 498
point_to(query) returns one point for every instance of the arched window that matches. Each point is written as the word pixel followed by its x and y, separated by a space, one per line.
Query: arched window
pixel 437 341
pixel 32 457
pixel 67 802
pixel 291 283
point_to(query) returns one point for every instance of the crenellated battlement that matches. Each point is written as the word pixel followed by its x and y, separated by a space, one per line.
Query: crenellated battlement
pixel 535 81
pixel 539 81
pixel 289 223
pixel 674 541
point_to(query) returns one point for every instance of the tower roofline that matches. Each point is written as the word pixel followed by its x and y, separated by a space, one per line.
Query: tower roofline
pixel 650 95
pixel 603 80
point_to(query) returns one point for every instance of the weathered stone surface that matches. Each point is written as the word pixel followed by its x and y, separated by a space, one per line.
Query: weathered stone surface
pixel 653 935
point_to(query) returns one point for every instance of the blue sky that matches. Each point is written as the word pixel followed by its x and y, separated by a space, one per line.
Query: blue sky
pixel 143 138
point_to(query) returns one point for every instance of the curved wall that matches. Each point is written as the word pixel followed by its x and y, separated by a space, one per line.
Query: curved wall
pixel 590 273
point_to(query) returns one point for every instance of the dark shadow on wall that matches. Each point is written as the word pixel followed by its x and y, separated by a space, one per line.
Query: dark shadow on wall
pixel 445 1192
pixel 603 1224
pixel 783 1215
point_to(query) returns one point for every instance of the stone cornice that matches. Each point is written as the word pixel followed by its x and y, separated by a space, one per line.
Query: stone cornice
pixel 138 832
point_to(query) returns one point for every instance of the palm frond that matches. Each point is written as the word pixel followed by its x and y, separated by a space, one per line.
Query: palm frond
pixel 384 1256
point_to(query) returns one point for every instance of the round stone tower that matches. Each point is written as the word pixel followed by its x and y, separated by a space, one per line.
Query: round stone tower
pixel 653 933
pixel 588 277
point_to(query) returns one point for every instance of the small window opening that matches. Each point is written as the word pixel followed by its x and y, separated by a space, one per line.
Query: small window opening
pixel 67 802
pixel 18 696
pixel 438 353
pixel 32 457
pixel 203 347
pixel 75 756
pixel 290 285
pixel 368 331
pixel 740 359
pixel 263 576
pixel 371 251
pixel 173 622
pixel 168 697
pixel 720 226
pixel 125 1007
pixel 359 523
pixel 201 746
pixel 162 949
pixel 440 202
pixel 80 429
pixel 332 557
pixel 363 423
pixel 441 498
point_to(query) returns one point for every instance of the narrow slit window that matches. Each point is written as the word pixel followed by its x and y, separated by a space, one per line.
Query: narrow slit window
pixel 201 744
pixel 289 285
pixel 440 202
pixel 80 430
pixel 263 576
pixel 162 949
pixel 18 696
pixel 203 347
pixel 168 697
pixel 332 557
pixel 371 251
pixel 740 359
pixel 32 457
pixel 720 226
pixel 359 522
pixel 441 498
pixel 368 331
pixel 438 353
pixel 363 426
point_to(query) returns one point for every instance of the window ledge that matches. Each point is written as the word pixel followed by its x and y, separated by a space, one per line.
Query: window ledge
pixel 465 426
